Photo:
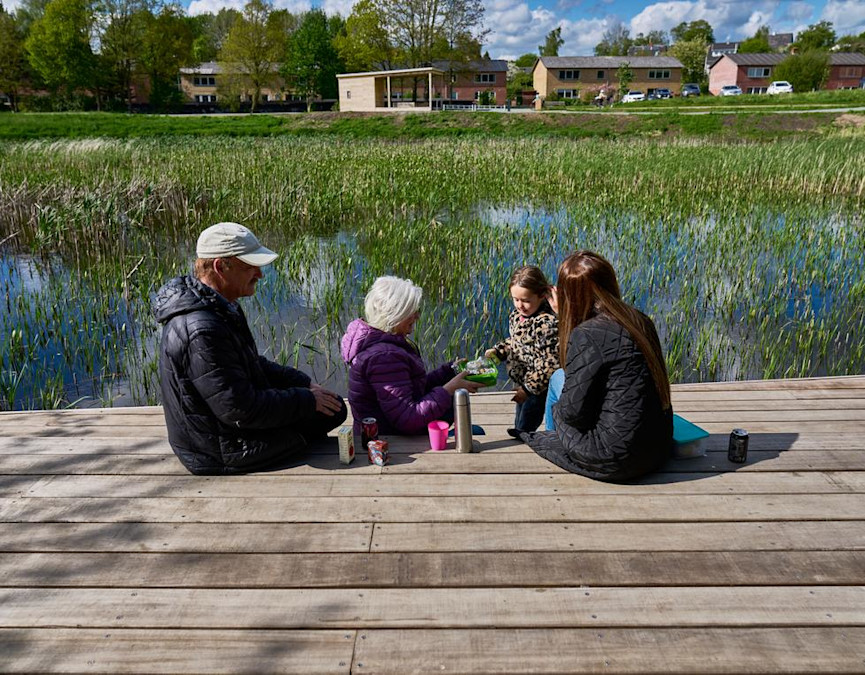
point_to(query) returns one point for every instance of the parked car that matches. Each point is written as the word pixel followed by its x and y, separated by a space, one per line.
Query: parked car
pixel 730 90
pixel 690 89
pixel 663 93
pixel 633 97
pixel 780 87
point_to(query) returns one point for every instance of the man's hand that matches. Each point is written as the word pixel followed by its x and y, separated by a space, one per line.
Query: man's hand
pixel 326 402
pixel 520 395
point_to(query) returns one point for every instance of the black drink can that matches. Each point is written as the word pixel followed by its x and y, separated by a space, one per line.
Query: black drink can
pixel 368 430
pixel 737 451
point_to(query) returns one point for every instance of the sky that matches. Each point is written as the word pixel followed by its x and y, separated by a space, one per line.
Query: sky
pixel 520 26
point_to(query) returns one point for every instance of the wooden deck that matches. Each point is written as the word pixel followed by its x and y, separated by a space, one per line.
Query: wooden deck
pixel 114 559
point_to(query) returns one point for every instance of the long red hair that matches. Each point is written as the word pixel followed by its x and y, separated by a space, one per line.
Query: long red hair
pixel 587 286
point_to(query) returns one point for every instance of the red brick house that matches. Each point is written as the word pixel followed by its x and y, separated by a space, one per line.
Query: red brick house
pixel 466 81
pixel 754 72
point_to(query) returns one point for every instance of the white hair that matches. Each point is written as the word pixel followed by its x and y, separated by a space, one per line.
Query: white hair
pixel 390 301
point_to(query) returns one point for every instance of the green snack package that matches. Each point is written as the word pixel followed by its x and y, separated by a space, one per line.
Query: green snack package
pixel 481 370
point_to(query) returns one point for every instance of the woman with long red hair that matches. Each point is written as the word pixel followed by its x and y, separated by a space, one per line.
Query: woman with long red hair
pixel 613 419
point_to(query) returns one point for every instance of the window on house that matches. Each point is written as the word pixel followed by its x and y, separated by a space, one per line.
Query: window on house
pixel 567 93
pixel 485 78
pixel 454 96
pixel 569 75
pixel 851 71
pixel 600 74
pixel 759 72
pixel 204 81
pixel 756 90
pixel 205 98
pixel 659 74
pixel 347 93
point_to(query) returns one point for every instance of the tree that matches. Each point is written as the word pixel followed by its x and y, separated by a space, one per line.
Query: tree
pixel 692 56
pixel 807 71
pixel 695 30
pixel 758 43
pixel 59 45
pixel 817 36
pixel 552 43
pixel 252 50
pixel 615 41
pixel 365 44
pixel 526 61
pixel 852 43
pixel 653 37
pixel 166 45
pixel 624 76
pixel 120 26
pixel 210 32
pixel 312 61
pixel 13 60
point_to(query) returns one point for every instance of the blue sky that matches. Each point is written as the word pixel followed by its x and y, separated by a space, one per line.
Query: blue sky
pixel 519 26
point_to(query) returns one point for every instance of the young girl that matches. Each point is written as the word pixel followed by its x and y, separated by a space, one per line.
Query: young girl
pixel 532 350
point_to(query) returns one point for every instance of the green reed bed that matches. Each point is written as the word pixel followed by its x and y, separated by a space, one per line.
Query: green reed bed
pixel 748 256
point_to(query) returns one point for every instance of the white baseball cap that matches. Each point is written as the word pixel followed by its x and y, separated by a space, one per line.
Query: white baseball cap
pixel 232 240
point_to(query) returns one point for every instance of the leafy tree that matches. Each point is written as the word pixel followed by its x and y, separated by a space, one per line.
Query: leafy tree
pixel 817 36
pixel 526 61
pixel 692 56
pixel 313 62
pixel 210 33
pixel 252 50
pixel 518 83
pixel 59 45
pixel 552 43
pixel 852 43
pixel 758 43
pixel 695 30
pixel 624 75
pixel 807 71
pixel 120 26
pixel 615 41
pixel 166 45
pixel 13 60
pixel 28 12
pixel 653 37
pixel 365 44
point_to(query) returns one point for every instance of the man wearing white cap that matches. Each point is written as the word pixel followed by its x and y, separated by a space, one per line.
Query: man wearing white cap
pixel 228 409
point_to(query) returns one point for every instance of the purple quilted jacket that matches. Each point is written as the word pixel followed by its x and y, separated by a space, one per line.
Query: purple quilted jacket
pixel 387 380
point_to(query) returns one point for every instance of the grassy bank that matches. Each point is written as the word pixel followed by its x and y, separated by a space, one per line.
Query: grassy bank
pixel 407 126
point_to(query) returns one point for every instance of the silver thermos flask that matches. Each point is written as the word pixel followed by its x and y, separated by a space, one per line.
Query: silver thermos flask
pixel 462 421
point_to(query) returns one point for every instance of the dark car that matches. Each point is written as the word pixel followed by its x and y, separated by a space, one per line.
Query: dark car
pixel 663 93
pixel 690 89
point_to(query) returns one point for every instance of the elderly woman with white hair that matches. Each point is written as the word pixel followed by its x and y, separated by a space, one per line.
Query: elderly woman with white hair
pixel 387 378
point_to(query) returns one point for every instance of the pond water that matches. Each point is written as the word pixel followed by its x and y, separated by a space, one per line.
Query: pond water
pixel 764 296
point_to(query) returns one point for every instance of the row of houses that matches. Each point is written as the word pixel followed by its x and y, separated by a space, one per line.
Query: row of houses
pixel 753 72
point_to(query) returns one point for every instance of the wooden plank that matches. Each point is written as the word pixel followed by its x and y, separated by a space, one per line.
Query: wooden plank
pixel 800 405
pixel 519 462
pixel 156 650
pixel 614 650
pixel 431 570
pixel 441 485
pixel 585 508
pixel 39 445
pixel 185 538
pixel 574 536
pixel 791 384
pixel 432 607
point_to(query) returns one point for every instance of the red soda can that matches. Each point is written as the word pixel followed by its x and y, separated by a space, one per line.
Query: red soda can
pixel 368 430
pixel 377 452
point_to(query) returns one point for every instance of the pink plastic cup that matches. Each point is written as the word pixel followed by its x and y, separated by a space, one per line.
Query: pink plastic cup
pixel 438 434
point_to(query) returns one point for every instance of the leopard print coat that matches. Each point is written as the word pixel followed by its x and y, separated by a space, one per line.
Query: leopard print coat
pixel 532 350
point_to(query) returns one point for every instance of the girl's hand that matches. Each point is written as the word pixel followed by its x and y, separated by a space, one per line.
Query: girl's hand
pixel 490 353
pixel 553 298
pixel 520 395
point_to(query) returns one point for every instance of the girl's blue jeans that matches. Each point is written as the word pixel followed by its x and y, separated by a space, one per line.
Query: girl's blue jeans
pixel 557 381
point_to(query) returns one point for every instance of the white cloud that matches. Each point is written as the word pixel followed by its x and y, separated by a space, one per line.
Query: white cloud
pixel 730 19
pixel 847 16
pixel 798 13
pixel 11 5
pixel 341 7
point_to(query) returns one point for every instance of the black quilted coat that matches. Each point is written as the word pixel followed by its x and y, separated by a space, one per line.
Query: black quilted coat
pixel 609 422
pixel 228 410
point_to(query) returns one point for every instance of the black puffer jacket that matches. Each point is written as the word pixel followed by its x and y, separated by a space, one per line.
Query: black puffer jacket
pixel 609 422
pixel 228 410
